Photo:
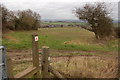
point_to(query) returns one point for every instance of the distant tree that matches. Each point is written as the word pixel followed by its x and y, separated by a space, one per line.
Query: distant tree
pixel 27 20
pixel 5 16
pixel 11 20
pixel 21 20
pixel 37 21
pixel 98 18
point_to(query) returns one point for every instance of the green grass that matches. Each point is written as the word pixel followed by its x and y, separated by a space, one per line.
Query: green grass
pixel 59 38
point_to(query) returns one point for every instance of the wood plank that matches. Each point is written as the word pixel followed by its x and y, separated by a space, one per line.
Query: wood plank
pixel 56 73
pixel 28 73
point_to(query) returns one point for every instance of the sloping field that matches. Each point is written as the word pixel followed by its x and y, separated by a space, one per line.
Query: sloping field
pixel 60 39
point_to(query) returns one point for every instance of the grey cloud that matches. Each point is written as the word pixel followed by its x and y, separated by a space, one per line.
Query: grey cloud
pixel 52 9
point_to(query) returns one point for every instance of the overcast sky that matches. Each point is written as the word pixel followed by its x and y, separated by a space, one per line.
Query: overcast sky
pixel 56 9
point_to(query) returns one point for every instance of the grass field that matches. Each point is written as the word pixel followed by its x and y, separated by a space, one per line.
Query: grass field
pixel 64 23
pixel 59 38
pixel 74 52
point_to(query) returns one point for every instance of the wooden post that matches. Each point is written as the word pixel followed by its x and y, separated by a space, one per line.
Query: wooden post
pixel 9 68
pixel 35 54
pixel 45 62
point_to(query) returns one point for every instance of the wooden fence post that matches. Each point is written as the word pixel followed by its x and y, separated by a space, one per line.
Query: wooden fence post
pixel 45 62
pixel 35 54
pixel 9 68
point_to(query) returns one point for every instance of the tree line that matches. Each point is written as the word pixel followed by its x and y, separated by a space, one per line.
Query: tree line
pixel 19 20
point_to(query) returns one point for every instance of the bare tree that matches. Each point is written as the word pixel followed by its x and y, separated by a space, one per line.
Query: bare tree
pixel 98 18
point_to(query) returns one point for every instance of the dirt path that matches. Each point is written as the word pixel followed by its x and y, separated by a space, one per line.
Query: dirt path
pixel 26 55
